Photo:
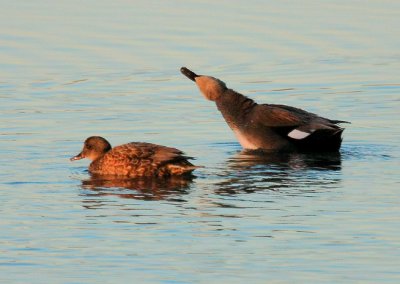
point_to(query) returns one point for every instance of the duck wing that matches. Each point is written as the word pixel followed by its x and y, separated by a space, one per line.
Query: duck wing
pixel 280 115
pixel 157 158
pixel 155 154
pixel 292 122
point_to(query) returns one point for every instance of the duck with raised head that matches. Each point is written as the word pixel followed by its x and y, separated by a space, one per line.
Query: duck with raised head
pixel 135 159
pixel 269 127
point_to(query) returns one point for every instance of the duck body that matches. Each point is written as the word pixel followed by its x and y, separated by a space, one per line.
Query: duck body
pixel 270 127
pixel 135 159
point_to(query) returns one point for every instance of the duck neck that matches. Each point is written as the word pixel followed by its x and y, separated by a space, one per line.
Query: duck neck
pixel 235 108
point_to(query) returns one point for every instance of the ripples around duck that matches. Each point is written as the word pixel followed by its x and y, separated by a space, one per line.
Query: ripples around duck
pixel 243 172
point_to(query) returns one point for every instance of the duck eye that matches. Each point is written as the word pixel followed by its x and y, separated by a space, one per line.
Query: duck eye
pixel 89 147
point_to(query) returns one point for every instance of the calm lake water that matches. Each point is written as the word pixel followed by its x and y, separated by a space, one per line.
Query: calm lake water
pixel 72 69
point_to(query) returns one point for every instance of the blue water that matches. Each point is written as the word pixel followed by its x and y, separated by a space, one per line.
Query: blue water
pixel 72 69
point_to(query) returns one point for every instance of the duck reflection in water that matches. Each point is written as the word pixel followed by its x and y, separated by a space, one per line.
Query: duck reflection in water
pixel 143 188
pixel 251 171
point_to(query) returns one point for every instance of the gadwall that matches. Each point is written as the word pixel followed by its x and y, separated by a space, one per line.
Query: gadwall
pixel 269 127
pixel 135 159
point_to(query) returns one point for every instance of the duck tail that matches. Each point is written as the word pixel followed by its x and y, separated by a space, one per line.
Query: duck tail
pixel 323 140
pixel 338 121
pixel 181 169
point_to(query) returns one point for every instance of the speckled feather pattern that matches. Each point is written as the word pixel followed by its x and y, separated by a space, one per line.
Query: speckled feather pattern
pixel 138 159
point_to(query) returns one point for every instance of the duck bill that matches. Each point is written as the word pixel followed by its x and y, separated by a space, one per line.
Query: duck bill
pixel 77 157
pixel 191 75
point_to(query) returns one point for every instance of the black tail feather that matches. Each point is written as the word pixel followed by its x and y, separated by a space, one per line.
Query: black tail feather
pixel 322 140
pixel 338 121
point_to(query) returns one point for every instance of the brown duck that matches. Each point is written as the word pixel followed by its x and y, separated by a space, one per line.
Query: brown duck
pixel 135 159
pixel 269 127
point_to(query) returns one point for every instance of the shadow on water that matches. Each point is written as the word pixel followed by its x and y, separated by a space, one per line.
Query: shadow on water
pixel 250 171
pixel 139 188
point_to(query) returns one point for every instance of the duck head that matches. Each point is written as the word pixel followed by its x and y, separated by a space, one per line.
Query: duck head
pixel 211 88
pixel 93 148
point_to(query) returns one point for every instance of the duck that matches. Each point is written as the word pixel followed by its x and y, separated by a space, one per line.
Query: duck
pixel 269 127
pixel 134 159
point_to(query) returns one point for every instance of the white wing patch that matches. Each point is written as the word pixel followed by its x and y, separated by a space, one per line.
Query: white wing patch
pixel 297 134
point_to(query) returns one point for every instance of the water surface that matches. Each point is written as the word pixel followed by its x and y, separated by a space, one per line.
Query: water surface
pixel 72 69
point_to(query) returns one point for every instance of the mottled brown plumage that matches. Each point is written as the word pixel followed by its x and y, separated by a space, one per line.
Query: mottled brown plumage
pixel 135 159
pixel 269 127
